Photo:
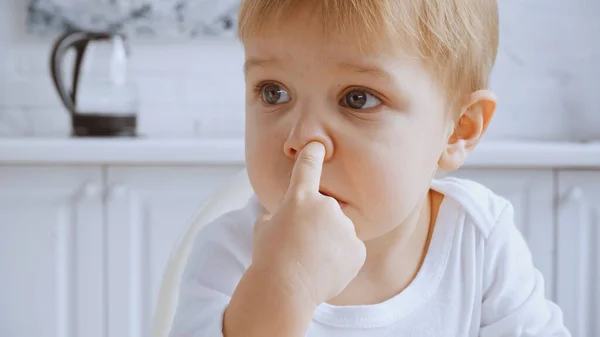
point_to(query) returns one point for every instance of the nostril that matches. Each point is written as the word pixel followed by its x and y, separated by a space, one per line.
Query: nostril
pixel 292 152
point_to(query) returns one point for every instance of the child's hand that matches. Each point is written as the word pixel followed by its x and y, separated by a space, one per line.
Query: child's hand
pixel 309 245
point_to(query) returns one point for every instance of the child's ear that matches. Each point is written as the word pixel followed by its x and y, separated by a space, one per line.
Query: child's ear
pixel 470 127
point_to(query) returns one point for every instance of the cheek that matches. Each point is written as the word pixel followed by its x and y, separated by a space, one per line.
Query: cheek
pixel 265 163
pixel 387 184
pixel 395 172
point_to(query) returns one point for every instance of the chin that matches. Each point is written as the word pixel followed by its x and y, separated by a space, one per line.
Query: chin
pixel 367 230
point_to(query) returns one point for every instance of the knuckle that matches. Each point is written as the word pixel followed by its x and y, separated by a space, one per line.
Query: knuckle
pixel 350 225
pixel 360 251
pixel 330 202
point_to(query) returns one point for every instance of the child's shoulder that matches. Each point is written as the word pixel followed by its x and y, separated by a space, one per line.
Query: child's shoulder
pixel 484 207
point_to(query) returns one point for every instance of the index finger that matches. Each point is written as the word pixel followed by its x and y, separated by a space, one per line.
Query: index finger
pixel 306 175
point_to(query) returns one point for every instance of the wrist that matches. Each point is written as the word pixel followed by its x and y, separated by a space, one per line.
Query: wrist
pixel 264 305
pixel 287 284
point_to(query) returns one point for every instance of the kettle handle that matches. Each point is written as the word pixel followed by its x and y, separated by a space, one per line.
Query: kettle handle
pixel 79 41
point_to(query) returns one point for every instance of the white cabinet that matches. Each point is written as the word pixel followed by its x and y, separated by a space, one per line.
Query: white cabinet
pixel 82 249
pixel 578 258
pixel 147 209
pixel 531 194
pixel 51 252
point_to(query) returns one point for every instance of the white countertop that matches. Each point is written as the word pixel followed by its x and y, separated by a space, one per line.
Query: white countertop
pixel 231 151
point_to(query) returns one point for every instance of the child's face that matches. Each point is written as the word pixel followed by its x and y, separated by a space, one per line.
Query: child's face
pixel 380 115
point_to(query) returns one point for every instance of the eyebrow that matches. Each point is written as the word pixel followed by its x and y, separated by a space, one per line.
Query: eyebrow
pixel 258 63
pixel 374 70
pixel 366 69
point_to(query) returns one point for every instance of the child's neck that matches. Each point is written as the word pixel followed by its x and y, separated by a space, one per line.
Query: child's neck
pixel 393 260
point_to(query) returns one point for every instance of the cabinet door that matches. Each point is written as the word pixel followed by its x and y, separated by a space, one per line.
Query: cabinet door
pixel 51 252
pixel 531 194
pixel 578 252
pixel 148 209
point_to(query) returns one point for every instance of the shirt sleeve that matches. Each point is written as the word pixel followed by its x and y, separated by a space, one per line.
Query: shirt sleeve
pixel 216 264
pixel 514 302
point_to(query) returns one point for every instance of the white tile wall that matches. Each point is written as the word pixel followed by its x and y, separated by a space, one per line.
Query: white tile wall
pixel 546 78
pixel 548 70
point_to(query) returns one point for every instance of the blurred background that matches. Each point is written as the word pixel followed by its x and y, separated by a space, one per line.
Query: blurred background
pixel 97 185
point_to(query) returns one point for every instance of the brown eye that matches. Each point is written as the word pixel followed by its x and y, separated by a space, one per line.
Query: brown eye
pixel 274 94
pixel 360 99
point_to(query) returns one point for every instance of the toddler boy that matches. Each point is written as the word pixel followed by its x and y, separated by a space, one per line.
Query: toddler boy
pixel 351 107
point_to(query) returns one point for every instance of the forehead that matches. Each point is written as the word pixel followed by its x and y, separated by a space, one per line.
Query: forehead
pixel 311 29
pixel 302 48
pixel 301 41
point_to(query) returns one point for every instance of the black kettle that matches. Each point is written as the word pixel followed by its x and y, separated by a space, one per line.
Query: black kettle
pixel 103 97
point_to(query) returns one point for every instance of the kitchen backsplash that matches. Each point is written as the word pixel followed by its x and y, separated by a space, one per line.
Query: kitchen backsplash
pixel 546 78
pixel 187 89
pixel 183 93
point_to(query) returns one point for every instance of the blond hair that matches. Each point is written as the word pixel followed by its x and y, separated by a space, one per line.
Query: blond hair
pixel 456 39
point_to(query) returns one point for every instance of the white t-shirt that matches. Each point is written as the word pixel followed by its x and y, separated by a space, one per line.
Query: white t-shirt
pixel 477 278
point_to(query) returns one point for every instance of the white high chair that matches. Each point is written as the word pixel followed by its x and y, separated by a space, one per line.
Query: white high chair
pixel 233 195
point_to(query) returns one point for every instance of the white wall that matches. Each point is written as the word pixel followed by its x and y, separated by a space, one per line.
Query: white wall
pixel 546 78
pixel 547 74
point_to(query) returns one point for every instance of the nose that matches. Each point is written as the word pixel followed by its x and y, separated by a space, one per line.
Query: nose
pixel 307 128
